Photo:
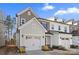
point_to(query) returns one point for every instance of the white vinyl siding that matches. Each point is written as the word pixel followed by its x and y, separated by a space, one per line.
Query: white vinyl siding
pixel 57 25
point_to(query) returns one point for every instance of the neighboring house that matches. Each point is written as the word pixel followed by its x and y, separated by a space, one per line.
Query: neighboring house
pixel 34 32
pixel 74 29
pixel 2 29
pixel 74 25
pixel 75 38
pixel 60 33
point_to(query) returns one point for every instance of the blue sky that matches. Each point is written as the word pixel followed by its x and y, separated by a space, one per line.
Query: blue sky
pixel 44 10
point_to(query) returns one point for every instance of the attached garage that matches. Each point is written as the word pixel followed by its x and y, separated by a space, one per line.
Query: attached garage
pixel 65 40
pixel 33 43
pixel 32 35
pixel 65 43
pixel 75 40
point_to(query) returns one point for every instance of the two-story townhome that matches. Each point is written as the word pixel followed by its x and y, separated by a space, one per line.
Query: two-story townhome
pixel 34 32
pixel 74 25
pixel 74 29
pixel 59 33
pixel 30 33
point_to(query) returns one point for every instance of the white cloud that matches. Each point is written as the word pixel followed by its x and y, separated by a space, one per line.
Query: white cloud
pixel 60 12
pixel 48 7
pixel 67 11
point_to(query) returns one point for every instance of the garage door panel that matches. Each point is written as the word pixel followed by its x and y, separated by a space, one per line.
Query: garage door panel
pixel 33 44
pixel 65 43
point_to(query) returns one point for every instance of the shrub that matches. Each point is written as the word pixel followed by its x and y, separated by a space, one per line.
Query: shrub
pixel 45 48
pixel 22 49
pixel 73 46
pixel 49 46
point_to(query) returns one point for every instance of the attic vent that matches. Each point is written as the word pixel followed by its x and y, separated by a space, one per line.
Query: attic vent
pixel 29 13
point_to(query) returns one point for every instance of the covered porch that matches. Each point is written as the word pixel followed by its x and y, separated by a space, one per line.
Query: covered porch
pixel 48 39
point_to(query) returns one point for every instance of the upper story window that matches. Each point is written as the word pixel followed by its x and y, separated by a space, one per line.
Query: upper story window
pixel 22 36
pixel 22 21
pixel 59 28
pixel 29 13
pixel 52 27
pixel 44 24
pixel 65 29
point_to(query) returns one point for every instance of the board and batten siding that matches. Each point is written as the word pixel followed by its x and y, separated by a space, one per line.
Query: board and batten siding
pixel 32 29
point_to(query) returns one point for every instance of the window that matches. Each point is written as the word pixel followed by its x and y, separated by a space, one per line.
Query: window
pixel 43 36
pixel 45 24
pixel 28 37
pixel 22 21
pixel 22 35
pixel 59 28
pixel 67 38
pixel 62 38
pixel 65 29
pixel 52 26
pixel 29 13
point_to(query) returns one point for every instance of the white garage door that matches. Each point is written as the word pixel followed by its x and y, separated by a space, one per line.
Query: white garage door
pixel 65 43
pixel 33 44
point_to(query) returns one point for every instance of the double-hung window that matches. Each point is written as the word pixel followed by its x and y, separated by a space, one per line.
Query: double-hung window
pixel 52 27
pixel 59 28
pixel 65 29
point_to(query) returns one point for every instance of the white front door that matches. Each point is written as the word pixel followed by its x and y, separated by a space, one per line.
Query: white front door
pixel 48 40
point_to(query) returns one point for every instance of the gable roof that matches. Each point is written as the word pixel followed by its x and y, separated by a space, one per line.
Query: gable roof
pixel 31 21
pixel 71 21
pixel 23 11
pixel 46 20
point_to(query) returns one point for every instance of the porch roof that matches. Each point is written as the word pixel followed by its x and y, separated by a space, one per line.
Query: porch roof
pixel 52 31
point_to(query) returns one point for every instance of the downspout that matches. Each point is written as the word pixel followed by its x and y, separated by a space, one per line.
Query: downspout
pixel 19 38
pixel 45 41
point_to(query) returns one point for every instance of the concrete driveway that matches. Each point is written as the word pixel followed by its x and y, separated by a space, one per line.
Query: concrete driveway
pixel 39 52
pixel 54 52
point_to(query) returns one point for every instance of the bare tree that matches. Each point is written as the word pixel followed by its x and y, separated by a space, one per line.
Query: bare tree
pixel 9 24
